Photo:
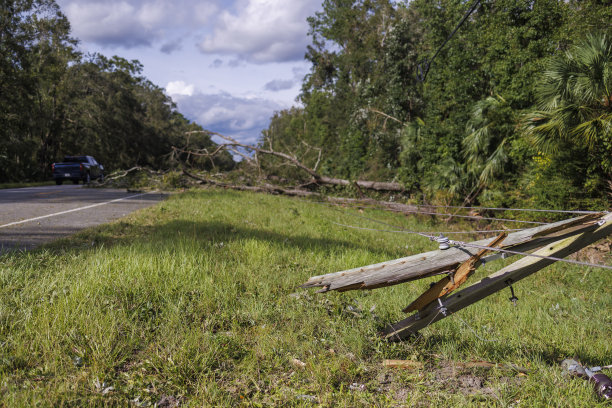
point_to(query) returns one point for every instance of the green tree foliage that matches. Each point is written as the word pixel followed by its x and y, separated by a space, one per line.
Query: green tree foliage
pixel 348 54
pixel 490 131
pixel 575 111
pixel 55 101
pixel 455 136
pixel 35 49
pixel 497 51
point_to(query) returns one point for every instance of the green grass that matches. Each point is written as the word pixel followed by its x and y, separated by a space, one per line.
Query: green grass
pixel 198 298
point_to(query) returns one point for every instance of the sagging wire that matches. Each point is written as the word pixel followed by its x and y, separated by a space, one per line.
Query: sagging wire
pixel 476 217
pixel 445 243
pixel 405 231
pixel 425 232
pixel 512 209
pixel 422 72
pixel 435 213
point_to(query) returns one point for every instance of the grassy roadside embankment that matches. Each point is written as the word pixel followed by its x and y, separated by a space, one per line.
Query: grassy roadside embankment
pixel 197 301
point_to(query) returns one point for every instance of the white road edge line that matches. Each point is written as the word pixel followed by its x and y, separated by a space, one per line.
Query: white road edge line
pixel 69 211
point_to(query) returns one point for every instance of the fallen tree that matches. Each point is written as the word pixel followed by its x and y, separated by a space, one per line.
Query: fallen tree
pixel 264 188
pixel 298 192
pixel 232 145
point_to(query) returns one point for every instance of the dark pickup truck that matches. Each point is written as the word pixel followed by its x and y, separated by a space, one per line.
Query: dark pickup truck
pixel 77 168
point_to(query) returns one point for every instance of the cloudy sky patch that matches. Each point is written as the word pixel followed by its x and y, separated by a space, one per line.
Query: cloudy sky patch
pixel 262 31
pixel 229 115
pixel 279 85
pixel 229 65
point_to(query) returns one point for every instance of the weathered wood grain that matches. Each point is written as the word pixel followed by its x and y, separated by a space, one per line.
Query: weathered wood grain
pixel 447 285
pixel 431 263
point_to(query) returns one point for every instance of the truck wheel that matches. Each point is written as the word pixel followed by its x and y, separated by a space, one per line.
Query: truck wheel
pixel 75 181
pixel 59 182
pixel 87 179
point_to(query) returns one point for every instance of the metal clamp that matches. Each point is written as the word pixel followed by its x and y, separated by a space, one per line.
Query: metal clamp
pixel 443 308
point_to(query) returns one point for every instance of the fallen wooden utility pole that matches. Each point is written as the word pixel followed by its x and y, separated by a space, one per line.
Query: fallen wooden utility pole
pixel 435 262
pixel 556 240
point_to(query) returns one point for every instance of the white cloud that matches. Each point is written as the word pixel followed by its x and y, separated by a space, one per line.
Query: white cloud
pixel 177 88
pixel 239 117
pixel 132 23
pixel 236 38
pixel 279 85
pixel 263 30
pixel 258 31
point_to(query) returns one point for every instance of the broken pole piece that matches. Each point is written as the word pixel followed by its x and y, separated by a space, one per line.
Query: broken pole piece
pixel 407 364
pixel 457 278
pixel 498 280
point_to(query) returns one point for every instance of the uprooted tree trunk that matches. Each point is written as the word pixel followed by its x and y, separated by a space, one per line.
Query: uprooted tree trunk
pixel 232 145
pixel 265 188
pixel 297 192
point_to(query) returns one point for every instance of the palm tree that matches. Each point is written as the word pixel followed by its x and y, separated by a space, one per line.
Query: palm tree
pixel 485 148
pixel 575 103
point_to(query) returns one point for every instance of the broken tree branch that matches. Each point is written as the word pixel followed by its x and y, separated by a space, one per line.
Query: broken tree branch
pixel 265 188
pixel 120 174
pixel 293 160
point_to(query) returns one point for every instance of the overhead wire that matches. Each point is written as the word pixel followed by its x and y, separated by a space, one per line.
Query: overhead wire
pixel 331 204
pixel 509 251
pixel 512 209
pixel 476 217
pixel 540 210
pixel 425 232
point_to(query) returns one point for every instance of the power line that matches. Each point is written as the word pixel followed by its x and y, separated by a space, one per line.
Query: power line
pixel 442 214
pixel 422 73
pixel 367 205
pixel 474 217
pixel 425 232
pixel 512 209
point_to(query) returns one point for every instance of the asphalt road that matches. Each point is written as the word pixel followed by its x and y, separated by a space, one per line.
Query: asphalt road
pixel 35 215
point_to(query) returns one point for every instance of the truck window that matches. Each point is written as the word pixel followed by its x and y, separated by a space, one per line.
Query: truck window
pixel 75 159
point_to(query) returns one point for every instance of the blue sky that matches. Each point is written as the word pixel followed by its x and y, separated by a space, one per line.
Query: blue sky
pixel 229 65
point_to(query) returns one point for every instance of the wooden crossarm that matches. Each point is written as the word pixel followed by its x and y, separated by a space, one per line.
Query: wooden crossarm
pixel 457 278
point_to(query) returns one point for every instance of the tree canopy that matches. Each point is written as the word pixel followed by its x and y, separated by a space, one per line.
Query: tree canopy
pixel 458 135
pixel 54 101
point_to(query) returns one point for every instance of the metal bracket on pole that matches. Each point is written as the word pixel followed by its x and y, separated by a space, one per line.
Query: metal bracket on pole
pixel 513 297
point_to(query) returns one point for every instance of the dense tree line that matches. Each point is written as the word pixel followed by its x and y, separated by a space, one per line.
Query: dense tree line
pixel 54 101
pixel 516 107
